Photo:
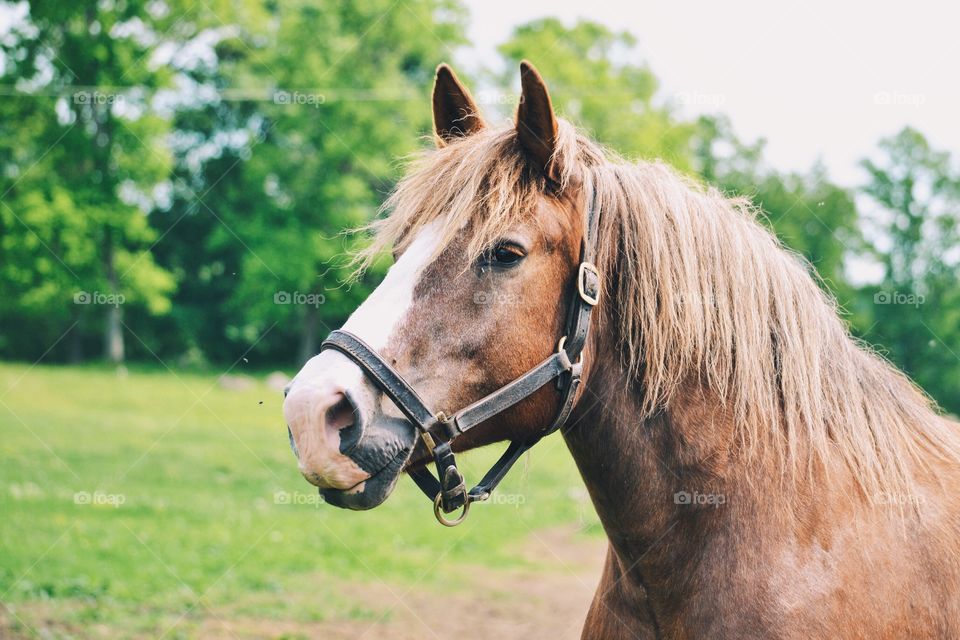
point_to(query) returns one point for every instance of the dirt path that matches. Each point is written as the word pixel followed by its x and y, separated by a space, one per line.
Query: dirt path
pixel 493 604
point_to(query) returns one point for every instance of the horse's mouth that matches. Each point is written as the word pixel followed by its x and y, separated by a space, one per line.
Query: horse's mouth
pixel 372 491
pixel 375 474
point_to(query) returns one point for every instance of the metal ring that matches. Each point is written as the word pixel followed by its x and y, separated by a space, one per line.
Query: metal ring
pixel 440 516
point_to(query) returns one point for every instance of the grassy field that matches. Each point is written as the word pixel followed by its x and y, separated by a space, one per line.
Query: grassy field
pixel 140 505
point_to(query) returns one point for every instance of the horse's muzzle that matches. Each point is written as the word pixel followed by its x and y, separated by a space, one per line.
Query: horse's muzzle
pixel 353 460
pixel 385 454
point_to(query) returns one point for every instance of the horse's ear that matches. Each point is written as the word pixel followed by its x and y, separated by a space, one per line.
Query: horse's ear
pixel 455 114
pixel 536 124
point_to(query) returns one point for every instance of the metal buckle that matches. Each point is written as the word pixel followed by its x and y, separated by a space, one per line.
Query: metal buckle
pixel 560 345
pixel 427 438
pixel 588 267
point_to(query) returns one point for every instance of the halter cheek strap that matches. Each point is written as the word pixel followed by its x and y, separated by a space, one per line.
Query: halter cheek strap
pixel 448 489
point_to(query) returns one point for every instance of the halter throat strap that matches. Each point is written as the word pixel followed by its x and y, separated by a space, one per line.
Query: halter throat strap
pixel 447 489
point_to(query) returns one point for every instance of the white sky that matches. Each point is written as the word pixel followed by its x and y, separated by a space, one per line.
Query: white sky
pixel 817 79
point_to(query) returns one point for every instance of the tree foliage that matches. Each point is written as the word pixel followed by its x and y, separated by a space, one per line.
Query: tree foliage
pixel 199 162
pixel 810 214
pixel 597 81
pixel 317 142
pixel 911 214
pixel 81 175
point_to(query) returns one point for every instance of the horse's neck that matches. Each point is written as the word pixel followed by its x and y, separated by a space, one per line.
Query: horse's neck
pixel 659 485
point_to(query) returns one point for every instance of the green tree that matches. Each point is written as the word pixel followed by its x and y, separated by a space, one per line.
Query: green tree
pixel 912 227
pixel 810 214
pixel 597 83
pixel 78 184
pixel 323 99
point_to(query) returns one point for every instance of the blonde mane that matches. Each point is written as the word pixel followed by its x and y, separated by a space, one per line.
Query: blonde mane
pixel 697 290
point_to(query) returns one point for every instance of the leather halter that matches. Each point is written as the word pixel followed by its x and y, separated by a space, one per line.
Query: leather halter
pixel 448 489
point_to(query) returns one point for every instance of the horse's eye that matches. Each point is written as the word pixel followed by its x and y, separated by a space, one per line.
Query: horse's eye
pixel 505 255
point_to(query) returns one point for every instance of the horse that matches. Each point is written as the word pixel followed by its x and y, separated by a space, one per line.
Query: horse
pixel 758 473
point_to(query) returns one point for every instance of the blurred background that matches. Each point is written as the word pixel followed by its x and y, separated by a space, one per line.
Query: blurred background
pixel 175 182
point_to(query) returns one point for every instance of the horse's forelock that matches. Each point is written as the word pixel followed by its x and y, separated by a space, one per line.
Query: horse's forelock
pixel 481 183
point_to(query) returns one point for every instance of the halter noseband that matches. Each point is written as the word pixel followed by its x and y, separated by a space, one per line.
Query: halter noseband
pixel 448 489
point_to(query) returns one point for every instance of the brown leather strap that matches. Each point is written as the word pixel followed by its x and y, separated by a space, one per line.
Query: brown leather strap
pixel 509 395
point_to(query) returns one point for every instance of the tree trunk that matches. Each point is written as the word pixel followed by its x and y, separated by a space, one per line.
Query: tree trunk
pixel 308 333
pixel 113 336
pixel 113 332
pixel 75 341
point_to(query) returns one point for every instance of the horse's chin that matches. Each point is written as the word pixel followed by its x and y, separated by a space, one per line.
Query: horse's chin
pixel 367 495
pixel 384 452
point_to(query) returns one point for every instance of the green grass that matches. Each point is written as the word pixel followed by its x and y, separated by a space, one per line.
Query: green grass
pixel 186 484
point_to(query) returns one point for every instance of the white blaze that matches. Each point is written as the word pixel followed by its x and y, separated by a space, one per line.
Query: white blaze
pixel 374 322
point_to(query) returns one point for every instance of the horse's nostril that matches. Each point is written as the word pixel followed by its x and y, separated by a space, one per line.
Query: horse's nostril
pixel 344 417
pixel 325 425
pixel 342 414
